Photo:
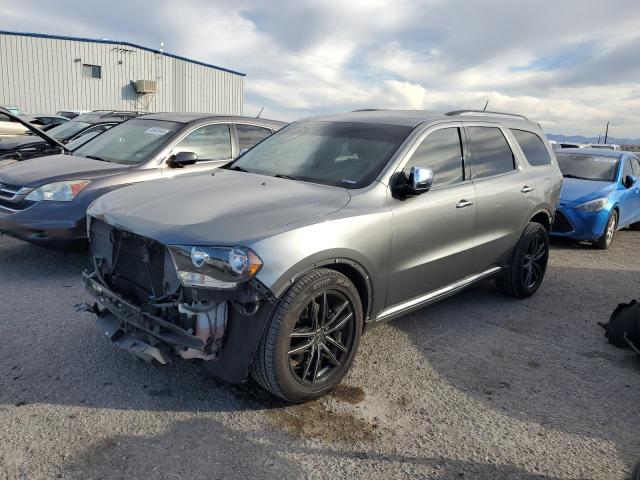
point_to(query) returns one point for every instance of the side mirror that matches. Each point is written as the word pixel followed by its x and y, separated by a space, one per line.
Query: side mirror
pixel 629 181
pixel 420 180
pixel 182 159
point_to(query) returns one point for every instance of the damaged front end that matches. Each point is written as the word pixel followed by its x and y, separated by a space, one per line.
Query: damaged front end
pixel 159 301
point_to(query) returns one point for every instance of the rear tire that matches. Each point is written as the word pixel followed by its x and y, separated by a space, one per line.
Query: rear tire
pixel 311 339
pixel 528 264
pixel 605 241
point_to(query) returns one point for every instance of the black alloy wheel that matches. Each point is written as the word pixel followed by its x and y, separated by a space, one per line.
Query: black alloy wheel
pixel 535 261
pixel 312 337
pixel 527 266
pixel 322 338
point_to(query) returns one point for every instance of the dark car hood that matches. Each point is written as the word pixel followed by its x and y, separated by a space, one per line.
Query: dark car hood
pixel 222 209
pixel 39 171
pixel 575 190
pixel 12 143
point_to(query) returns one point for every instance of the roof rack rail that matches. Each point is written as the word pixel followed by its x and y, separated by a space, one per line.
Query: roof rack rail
pixel 484 112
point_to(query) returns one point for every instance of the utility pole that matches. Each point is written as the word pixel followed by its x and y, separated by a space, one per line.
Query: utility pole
pixel 606 133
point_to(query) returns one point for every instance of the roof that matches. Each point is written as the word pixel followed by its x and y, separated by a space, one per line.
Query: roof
pixel 413 118
pixel 190 117
pixel 601 152
pixel 116 42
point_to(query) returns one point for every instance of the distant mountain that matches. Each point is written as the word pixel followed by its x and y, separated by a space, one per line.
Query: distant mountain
pixel 581 139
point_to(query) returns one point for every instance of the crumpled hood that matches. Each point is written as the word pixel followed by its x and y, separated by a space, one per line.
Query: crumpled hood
pixel 54 168
pixel 575 190
pixel 224 208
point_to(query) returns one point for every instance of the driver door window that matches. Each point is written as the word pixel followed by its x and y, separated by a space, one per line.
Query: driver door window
pixel 211 142
pixel 441 151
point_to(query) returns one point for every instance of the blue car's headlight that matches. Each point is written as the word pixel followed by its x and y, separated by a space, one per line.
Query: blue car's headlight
pixel 214 267
pixel 593 205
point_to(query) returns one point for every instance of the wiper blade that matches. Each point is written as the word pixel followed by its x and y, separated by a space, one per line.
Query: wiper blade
pixel 286 177
pixel 95 157
pixel 238 168
pixel 568 175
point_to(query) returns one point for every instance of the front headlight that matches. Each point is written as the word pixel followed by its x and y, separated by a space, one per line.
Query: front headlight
pixel 214 267
pixel 58 191
pixel 593 205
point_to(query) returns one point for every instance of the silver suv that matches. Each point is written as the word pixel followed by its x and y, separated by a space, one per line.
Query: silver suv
pixel 277 263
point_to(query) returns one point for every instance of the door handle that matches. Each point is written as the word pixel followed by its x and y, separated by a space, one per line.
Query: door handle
pixel 464 204
pixel 527 189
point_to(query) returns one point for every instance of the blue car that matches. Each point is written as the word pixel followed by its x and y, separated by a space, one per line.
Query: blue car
pixel 600 194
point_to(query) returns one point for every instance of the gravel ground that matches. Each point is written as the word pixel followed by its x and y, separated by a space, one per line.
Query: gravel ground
pixel 477 386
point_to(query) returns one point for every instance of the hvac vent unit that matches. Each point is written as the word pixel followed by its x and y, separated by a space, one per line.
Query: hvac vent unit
pixel 145 86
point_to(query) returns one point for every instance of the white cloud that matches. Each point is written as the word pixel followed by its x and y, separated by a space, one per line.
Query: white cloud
pixel 570 64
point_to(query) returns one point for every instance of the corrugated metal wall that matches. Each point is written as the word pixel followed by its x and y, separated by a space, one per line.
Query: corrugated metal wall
pixel 44 75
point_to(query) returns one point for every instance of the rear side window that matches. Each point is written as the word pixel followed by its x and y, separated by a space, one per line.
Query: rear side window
pixel 441 151
pixel 533 147
pixel 490 152
pixel 249 135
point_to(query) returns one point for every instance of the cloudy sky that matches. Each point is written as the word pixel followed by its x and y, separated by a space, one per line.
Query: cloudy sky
pixel 571 64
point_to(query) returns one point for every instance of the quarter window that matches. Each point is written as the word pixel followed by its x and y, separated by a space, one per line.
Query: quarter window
pixel 249 135
pixel 533 147
pixel 91 71
pixel 211 142
pixel 490 152
pixel 441 151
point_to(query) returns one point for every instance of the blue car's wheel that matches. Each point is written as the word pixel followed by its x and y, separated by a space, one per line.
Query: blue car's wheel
pixel 604 242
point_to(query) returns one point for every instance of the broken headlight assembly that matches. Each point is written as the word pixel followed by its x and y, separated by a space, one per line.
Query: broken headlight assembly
pixel 214 267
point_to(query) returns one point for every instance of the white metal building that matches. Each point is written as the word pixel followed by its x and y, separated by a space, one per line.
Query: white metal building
pixel 46 73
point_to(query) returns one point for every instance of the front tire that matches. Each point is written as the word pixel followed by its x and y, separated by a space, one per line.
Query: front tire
pixel 312 337
pixel 605 241
pixel 528 265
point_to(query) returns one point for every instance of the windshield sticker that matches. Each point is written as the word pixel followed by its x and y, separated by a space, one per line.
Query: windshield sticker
pixel 157 131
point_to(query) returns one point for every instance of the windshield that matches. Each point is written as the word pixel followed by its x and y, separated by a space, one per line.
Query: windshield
pixel 588 167
pixel 131 142
pixel 67 130
pixel 349 155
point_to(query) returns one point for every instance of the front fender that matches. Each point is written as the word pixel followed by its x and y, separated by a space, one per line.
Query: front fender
pixel 362 242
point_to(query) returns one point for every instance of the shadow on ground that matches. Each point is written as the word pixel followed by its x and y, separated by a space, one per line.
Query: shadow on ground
pixel 543 359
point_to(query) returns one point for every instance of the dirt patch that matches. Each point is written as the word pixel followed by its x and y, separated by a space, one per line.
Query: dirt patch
pixel 315 420
pixel 348 394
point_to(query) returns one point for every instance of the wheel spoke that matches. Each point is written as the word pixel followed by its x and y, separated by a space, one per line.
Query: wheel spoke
pixel 336 343
pixel 308 363
pixel 539 254
pixel 527 281
pixel 315 310
pixel 340 324
pixel 332 358
pixel 303 334
pixel 325 310
pixel 301 348
pixel 337 313
pixel 317 365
